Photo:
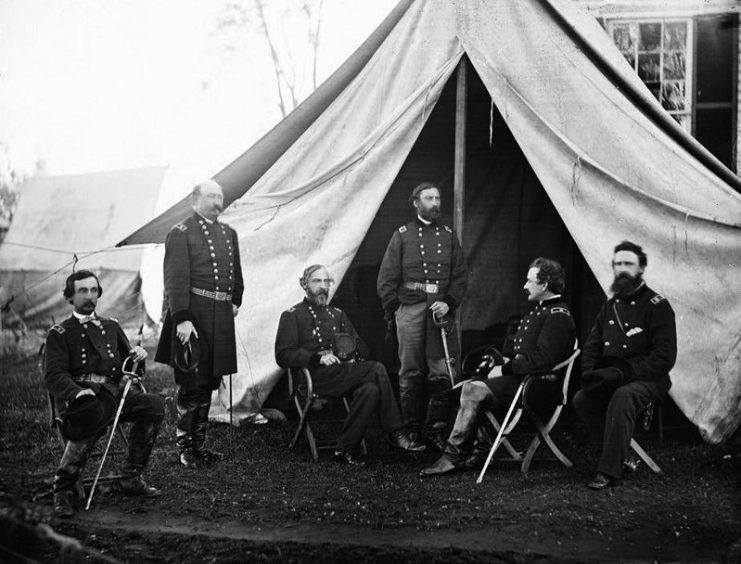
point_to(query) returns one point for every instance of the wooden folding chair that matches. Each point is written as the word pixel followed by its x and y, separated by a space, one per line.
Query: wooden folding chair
pixel 519 406
pixel 301 389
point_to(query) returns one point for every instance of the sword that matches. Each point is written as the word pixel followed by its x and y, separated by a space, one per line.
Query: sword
pixel 442 322
pixel 129 380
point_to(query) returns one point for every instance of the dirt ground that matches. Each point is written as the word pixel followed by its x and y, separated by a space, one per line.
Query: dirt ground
pixel 265 503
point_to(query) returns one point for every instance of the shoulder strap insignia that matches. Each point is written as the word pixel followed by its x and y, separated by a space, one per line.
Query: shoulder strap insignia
pixel 403 229
pixel 291 309
pixel 58 328
pixel 448 229
pixel 560 310
pixel 180 227
pixel 657 298
pixel 113 319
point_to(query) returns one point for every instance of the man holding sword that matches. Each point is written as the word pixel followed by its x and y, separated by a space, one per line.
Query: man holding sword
pixel 422 280
pixel 84 374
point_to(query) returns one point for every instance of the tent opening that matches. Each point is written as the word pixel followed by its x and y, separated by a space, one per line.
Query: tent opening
pixel 508 221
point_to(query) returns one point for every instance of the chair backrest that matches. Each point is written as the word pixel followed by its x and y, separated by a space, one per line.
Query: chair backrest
pixel 567 364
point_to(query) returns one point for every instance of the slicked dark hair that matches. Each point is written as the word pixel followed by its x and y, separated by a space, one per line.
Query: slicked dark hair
pixel 69 285
pixel 419 188
pixel 550 272
pixel 633 248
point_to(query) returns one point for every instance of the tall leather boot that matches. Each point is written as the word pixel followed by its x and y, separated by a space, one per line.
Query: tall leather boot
pixel 204 455
pixel 141 442
pixel 187 407
pixel 67 488
pixel 474 399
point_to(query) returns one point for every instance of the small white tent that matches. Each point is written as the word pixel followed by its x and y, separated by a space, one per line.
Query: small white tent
pixel 74 221
pixel 562 147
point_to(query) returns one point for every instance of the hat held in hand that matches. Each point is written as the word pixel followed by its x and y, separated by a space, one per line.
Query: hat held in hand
pixel 87 415
pixel 188 355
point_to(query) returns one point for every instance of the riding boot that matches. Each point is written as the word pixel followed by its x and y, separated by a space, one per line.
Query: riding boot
pixel 200 425
pixel 187 408
pixel 474 399
pixel 67 488
pixel 141 442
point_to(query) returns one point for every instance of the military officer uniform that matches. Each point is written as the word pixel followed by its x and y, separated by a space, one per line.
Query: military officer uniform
pixel 544 338
pixel 202 279
pixel 306 332
pixel 88 352
pixel 423 263
pixel 637 333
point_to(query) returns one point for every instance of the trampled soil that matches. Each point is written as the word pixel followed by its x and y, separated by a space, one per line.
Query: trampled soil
pixel 265 503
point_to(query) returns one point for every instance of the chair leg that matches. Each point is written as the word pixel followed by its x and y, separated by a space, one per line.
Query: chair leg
pixel 303 412
pixel 505 441
pixel 645 457
pixel 312 442
pixel 544 434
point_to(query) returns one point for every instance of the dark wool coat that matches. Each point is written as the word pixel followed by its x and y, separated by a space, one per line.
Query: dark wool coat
pixel 544 338
pixel 204 256
pixel 73 349
pixel 639 328
pixel 304 330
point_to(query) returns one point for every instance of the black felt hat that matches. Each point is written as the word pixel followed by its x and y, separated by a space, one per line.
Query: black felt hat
pixel 188 355
pixel 344 346
pixel 88 415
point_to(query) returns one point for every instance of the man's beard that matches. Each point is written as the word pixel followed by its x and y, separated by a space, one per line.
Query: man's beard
pixel 88 308
pixel 319 297
pixel 430 214
pixel 624 284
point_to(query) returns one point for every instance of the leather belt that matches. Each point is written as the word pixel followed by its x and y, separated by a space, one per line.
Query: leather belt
pixel 94 378
pixel 427 288
pixel 218 296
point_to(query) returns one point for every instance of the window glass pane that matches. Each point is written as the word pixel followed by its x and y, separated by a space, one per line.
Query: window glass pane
pixel 675 36
pixel 650 37
pixel 674 66
pixel 648 67
pixel 631 58
pixel 623 38
pixel 672 96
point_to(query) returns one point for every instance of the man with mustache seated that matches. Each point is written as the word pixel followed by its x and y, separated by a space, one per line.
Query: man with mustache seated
pixel 544 338
pixel 305 338
pixel 203 290
pixel 625 362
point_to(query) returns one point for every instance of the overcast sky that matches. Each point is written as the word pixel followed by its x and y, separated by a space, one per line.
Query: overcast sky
pixel 90 85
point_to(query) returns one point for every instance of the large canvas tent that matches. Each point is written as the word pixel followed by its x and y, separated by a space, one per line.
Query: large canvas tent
pixel 73 222
pixel 544 142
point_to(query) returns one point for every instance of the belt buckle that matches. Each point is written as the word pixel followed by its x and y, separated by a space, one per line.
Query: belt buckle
pixel 220 296
pixel 431 288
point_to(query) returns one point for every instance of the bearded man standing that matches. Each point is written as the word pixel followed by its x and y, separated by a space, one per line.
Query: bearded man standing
pixel 626 361
pixel 203 289
pixel 306 339
pixel 422 278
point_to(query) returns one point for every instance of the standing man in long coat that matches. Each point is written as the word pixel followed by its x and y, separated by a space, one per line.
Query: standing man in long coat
pixel 423 274
pixel 203 290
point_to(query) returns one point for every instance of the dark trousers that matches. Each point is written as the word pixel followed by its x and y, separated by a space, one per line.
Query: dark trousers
pixel 611 420
pixel 368 386
pixel 145 412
